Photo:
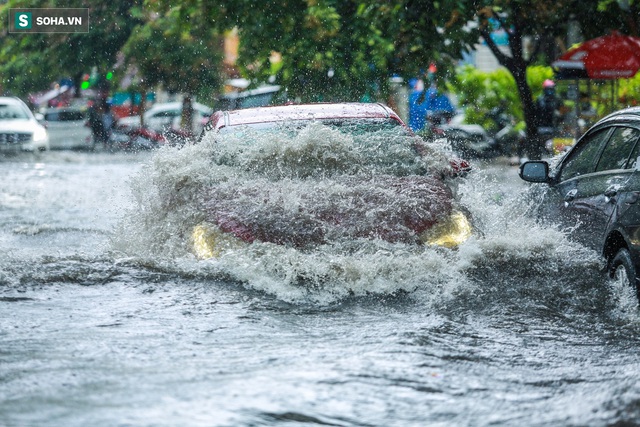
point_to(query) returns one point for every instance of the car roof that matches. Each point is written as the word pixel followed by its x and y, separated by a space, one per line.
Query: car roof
pixel 11 100
pixel 319 111
pixel 627 114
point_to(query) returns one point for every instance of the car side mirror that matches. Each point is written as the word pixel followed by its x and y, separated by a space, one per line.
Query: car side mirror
pixel 535 171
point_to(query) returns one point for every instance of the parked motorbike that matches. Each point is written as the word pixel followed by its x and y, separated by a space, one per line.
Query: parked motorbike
pixel 123 138
pixel 468 141
pixel 509 140
pixel 174 136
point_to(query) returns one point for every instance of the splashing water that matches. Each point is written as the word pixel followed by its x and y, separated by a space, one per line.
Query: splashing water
pixel 343 191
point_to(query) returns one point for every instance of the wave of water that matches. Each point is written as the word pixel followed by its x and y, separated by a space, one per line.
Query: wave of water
pixel 130 327
pixel 511 256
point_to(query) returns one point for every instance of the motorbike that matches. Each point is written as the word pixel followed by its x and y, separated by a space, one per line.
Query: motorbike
pixel 509 140
pixel 469 141
pixel 136 139
pixel 124 138
pixel 174 136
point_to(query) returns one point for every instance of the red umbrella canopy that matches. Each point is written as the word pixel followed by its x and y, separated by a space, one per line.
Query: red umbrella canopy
pixel 612 56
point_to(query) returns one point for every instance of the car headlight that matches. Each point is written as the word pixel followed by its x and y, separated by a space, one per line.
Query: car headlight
pixel 450 232
pixel 210 242
pixel 40 134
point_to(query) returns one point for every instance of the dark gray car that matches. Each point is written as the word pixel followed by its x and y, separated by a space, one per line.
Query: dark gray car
pixel 594 189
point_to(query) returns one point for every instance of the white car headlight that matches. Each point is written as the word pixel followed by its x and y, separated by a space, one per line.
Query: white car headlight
pixel 40 134
pixel 451 232
pixel 211 242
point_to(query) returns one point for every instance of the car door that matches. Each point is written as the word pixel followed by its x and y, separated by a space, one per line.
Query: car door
pixel 592 180
pixel 66 128
pixel 161 120
pixel 627 216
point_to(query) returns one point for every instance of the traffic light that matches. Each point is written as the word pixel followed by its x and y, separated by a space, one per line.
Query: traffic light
pixel 85 82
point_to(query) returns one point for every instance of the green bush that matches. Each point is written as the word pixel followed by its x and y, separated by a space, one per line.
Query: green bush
pixel 478 92
pixel 630 91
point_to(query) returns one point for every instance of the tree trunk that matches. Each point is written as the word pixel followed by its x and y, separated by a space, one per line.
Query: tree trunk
pixel 516 64
pixel 77 83
pixel 142 108
pixel 531 148
pixel 186 119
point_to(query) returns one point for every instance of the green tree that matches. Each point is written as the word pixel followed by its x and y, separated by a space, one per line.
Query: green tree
pixel 29 62
pixel 626 14
pixel 176 48
pixel 325 53
pixel 331 50
pixel 543 21
pixel 343 50
pixel 481 92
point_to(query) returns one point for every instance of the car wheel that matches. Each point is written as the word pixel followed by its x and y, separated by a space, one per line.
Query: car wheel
pixel 623 271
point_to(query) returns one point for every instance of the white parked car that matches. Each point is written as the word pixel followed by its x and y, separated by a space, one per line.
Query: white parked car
pixel 19 129
pixel 67 128
pixel 167 115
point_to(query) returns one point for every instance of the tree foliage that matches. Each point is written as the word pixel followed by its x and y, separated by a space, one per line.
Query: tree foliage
pixel 480 92
pixel 332 50
pixel 327 50
pixel 30 62
pixel 183 58
pixel 542 21
pixel 344 50
pixel 172 48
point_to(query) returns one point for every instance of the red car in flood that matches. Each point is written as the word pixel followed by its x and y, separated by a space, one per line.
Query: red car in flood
pixel 357 173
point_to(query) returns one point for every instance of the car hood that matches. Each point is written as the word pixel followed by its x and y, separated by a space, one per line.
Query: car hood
pixel 395 209
pixel 18 126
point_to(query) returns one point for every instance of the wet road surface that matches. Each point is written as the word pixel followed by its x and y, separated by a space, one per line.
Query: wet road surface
pixel 516 327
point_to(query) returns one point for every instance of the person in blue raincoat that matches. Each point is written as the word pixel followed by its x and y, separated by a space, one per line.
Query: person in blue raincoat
pixel 427 104
pixel 417 110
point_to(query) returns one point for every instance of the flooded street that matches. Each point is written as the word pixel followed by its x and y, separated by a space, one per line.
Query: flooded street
pixel 107 320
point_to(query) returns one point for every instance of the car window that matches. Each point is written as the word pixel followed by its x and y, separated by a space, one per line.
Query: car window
pixel 12 111
pixel 64 116
pixel 169 113
pixel 582 159
pixel 618 149
pixel 633 160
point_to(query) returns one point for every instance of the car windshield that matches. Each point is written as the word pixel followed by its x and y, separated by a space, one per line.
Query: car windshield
pixel 300 148
pixel 347 126
pixel 12 112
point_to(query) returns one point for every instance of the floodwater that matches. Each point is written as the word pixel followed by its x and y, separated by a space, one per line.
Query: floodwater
pixel 108 319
